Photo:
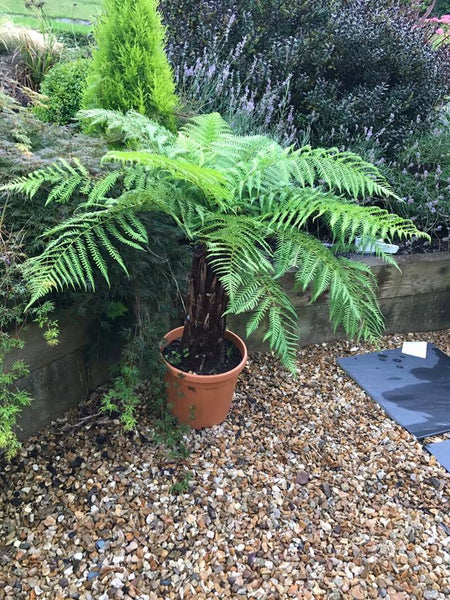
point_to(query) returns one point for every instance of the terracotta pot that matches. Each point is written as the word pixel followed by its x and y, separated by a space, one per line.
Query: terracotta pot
pixel 202 400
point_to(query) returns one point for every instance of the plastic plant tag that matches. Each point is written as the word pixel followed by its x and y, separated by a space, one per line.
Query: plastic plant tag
pixel 377 245
pixel 418 349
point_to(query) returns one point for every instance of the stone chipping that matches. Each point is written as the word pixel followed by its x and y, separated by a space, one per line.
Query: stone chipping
pixel 307 490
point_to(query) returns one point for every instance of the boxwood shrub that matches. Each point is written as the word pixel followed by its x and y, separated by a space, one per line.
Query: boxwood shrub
pixel 63 85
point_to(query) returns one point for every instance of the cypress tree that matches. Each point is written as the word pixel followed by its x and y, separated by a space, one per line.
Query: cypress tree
pixel 130 70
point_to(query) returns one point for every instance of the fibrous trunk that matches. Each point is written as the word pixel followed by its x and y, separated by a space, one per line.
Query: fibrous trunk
pixel 205 325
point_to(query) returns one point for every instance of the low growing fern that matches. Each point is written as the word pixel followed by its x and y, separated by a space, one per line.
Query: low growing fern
pixel 246 200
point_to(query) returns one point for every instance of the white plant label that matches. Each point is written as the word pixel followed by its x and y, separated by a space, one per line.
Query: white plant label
pixel 418 349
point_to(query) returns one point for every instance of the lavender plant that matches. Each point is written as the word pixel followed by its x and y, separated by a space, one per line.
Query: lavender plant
pixel 214 82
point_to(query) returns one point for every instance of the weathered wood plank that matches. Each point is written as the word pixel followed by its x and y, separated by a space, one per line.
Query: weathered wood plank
pixel 427 274
pixel 74 334
pixel 417 299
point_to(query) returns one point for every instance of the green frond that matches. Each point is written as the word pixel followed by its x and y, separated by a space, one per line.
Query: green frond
pixel 286 254
pixel 131 128
pixel 100 188
pixel 259 174
pixel 236 248
pixel 79 243
pixel 137 178
pixel 342 171
pixel 275 310
pixel 61 176
pixel 210 182
pixel 258 315
pixel 283 322
pixel 203 130
pixel 346 220
pixel 229 150
pixel 247 298
pixel 352 287
pixel 271 307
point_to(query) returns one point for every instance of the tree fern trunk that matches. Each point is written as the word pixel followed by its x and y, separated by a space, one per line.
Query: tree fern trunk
pixel 205 324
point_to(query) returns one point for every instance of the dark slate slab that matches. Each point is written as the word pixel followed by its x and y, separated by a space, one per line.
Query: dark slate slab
pixel 441 450
pixel 414 391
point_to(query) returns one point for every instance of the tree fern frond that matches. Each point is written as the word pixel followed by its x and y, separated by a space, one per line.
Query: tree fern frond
pixel 345 219
pixel 100 188
pixel 81 242
pixel 352 287
pixel 283 324
pixel 229 150
pixel 236 248
pixel 209 181
pixel 258 316
pixel 259 174
pixel 137 178
pixel 63 178
pixel 343 171
pixel 369 222
pixel 205 129
pixel 247 298
pixel 131 128
pixel 271 306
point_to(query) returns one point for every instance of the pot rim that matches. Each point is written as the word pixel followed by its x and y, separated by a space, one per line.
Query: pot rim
pixel 191 377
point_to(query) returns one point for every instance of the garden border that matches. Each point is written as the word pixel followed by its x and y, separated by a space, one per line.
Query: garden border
pixel 415 299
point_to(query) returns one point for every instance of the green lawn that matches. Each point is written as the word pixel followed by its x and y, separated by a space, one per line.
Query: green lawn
pixel 80 9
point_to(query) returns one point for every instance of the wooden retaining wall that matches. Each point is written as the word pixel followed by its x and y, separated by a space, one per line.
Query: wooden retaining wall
pixel 61 376
pixel 416 298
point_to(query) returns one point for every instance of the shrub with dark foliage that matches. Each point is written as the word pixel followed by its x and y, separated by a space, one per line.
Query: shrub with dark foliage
pixel 380 78
pixel 355 66
pixel 420 175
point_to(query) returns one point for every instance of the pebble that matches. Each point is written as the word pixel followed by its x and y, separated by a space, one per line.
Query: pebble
pixel 308 490
pixel 49 521
pixel 132 546
pixel 302 478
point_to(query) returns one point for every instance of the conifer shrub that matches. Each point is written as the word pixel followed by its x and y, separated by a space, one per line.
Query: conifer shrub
pixel 129 70
pixel 63 85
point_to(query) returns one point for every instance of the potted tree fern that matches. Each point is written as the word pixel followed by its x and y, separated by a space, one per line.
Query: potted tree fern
pixel 246 205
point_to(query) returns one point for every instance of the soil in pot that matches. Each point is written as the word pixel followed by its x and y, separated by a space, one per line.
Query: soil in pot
pixel 177 356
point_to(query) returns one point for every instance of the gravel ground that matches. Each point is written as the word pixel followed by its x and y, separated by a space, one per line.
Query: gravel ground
pixel 308 490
